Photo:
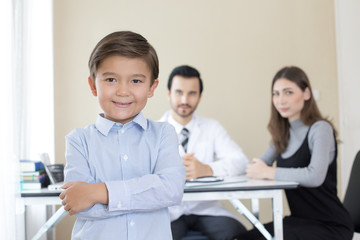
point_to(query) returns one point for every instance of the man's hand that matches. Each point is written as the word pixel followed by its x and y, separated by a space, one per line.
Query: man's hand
pixel 259 170
pixel 194 168
pixel 78 196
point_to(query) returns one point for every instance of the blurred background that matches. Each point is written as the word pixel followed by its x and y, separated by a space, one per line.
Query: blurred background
pixel 237 46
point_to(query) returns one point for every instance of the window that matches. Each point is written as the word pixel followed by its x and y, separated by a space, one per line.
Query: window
pixel 26 99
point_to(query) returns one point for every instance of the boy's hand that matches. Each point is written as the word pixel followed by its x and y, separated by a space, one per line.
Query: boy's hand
pixel 259 170
pixel 78 196
pixel 194 168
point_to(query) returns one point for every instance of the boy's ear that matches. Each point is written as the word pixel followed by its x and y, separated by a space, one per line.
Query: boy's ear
pixel 152 88
pixel 92 86
pixel 307 94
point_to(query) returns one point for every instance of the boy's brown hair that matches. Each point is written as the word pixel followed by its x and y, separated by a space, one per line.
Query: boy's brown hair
pixel 127 44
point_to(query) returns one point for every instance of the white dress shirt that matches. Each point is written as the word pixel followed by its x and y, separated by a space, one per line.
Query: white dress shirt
pixel 211 145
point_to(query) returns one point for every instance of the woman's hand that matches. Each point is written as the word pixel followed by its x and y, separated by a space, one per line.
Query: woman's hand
pixel 259 170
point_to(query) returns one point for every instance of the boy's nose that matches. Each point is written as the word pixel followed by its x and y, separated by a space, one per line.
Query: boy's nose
pixel 121 90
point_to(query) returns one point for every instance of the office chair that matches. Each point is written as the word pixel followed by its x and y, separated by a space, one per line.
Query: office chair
pixel 194 235
pixel 352 195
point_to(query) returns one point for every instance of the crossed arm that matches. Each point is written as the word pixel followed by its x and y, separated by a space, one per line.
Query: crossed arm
pixel 79 196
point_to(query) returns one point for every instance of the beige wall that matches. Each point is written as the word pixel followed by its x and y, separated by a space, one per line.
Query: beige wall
pixel 236 45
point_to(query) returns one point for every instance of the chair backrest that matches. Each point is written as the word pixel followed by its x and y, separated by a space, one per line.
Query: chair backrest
pixel 352 195
pixel 194 235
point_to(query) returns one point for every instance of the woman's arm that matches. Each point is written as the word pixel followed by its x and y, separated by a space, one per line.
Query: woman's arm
pixel 322 146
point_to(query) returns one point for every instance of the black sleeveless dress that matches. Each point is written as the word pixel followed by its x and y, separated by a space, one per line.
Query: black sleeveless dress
pixel 316 213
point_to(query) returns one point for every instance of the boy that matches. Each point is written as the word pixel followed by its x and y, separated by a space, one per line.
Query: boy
pixel 123 171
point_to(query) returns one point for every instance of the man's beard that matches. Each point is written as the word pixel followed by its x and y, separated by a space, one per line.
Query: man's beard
pixel 185 115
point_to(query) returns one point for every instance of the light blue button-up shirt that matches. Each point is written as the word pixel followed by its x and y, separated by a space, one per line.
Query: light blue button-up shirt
pixel 143 172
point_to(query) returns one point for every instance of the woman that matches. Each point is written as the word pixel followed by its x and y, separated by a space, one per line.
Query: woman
pixel 304 146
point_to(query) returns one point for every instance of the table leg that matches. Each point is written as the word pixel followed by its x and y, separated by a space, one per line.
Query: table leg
pixel 55 219
pixel 244 211
pixel 277 215
pixel 255 206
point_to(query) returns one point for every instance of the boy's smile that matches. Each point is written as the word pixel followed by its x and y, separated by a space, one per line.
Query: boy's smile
pixel 122 86
pixel 122 105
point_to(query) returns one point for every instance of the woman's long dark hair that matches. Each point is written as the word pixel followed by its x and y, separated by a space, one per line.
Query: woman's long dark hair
pixel 278 126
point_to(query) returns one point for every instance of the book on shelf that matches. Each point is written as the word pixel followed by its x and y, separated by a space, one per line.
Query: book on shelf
pixel 30 166
pixel 41 181
pixel 39 174
pixel 33 178
pixel 32 173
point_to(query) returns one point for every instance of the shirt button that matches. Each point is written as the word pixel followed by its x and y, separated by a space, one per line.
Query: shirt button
pixel 119 205
pixel 118 124
pixel 122 131
pixel 132 223
pixel 126 157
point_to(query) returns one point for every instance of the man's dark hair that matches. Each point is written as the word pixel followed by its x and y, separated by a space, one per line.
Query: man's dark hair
pixel 186 72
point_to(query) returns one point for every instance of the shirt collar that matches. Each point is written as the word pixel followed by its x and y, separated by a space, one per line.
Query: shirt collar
pixel 140 120
pixel 178 127
pixel 104 125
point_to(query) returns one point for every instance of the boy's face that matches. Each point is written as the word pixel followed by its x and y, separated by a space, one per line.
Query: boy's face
pixel 184 96
pixel 122 86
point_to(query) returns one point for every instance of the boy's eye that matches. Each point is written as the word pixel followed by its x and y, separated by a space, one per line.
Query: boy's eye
pixel 110 80
pixel 288 92
pixel 275 94
pixel 136 81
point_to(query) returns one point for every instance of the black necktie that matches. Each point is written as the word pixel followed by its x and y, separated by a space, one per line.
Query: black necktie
pixel 185 138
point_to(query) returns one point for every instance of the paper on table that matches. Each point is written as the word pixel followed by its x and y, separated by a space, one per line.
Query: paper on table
pixel 229 180
pixel 208 179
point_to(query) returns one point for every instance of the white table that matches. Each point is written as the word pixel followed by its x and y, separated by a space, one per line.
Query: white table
pixel 41 197
pixel 231 189
pixel 48 198
pixel 236 188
